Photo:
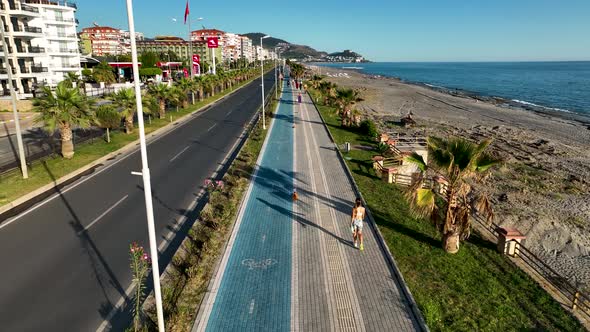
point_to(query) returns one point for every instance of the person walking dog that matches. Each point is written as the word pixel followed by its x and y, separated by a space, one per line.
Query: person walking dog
pixel 356 224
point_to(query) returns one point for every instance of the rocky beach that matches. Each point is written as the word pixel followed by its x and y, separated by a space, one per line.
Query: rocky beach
pixel 542 188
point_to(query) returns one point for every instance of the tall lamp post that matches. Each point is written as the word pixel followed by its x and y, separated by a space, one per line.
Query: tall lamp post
pixel 145 172
pixel 19 139
pixel 262 80
pixel 276 86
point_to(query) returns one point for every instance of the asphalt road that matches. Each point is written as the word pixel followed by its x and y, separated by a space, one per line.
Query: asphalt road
pixel 65 262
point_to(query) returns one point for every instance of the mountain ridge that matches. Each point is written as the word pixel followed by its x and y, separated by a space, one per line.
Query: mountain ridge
pixel 295 51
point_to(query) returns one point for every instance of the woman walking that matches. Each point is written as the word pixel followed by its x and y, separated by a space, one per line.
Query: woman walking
pixel 356 224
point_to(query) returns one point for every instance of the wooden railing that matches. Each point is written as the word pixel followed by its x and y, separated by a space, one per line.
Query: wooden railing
pixel 579 301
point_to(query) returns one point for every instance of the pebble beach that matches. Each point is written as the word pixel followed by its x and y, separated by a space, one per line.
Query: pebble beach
pixel 542 188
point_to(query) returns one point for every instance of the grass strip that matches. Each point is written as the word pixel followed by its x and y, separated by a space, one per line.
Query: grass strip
pixel 477 289
pixel 43 172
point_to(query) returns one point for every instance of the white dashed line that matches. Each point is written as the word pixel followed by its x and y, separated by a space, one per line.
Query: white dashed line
pixel 102 215
pixel 178 154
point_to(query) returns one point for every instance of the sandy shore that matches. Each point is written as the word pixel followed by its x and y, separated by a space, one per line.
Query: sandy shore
pixel 544 187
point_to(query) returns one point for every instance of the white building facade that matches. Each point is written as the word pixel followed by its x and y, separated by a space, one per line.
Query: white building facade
pixel 42 44
pixel 60 41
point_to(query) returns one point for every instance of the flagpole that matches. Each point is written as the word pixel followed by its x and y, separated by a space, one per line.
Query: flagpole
pixel 190 42
pixel 145 173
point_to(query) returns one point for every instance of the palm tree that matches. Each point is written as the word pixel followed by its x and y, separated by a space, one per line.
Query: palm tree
pixel 72 79
pixel 161 93
pixel 199 86
pixel 186 85
pixel 177 97
pixel 457 163
pixel 346 98
pixel 107 117
pixel 315 81
pixel 328 90
pixel 103 72
pixel 61 110
pixel 124 99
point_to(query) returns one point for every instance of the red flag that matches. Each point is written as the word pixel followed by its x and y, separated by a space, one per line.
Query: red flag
pixel 186 12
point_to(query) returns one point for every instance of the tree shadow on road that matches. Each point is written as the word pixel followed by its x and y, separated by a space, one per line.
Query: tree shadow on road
pixel 302 221
pixel 105 277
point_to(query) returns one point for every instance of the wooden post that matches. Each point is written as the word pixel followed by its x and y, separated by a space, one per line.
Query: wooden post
pixel 575 301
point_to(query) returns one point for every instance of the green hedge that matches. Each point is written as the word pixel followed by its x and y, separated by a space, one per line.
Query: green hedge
pixel 150 71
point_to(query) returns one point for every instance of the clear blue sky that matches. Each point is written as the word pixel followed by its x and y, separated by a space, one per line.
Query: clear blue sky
pixel 381 30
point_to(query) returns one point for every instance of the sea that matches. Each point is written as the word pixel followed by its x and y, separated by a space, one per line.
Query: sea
pixel 554 86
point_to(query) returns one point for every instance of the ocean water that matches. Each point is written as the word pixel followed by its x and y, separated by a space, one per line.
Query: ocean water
pixel 561 86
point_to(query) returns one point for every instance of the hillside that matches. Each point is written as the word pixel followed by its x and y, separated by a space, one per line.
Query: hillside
pixel 288 50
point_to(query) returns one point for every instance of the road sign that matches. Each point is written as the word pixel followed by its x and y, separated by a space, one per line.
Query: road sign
pixel 212 42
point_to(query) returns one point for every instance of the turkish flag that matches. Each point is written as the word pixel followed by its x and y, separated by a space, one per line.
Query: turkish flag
pixel 186 12
pixel 212 42
pixel 196 59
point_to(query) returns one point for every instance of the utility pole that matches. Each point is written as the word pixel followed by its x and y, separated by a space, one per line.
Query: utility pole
pixel 19 138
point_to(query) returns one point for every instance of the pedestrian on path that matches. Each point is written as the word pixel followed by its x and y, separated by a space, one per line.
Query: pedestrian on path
pixel 356 224
pixel 299 98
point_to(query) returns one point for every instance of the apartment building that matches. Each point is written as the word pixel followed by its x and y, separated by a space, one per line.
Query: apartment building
pixel 41 43
pixel 58 22
pixel 246 48
pixel 103 40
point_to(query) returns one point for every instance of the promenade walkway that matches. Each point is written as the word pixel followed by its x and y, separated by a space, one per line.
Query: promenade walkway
pixel 291 266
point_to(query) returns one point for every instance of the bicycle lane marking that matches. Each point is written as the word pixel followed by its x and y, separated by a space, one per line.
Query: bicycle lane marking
pixel 255 285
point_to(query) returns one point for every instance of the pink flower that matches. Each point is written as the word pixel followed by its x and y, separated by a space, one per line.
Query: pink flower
pixel 207 183
pixel 145 257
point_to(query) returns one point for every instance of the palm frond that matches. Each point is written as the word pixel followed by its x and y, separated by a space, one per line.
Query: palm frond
pixel 417 160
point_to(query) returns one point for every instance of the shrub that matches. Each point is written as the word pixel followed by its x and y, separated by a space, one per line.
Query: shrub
pixel 368 128
pixel 143 72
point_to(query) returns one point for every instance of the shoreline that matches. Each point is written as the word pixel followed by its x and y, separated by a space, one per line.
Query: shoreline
pixel 492 100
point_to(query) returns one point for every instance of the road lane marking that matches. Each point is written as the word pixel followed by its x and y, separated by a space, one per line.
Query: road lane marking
pixel 213 126
pixel 178 154
pixel 152 139
pixel 103 214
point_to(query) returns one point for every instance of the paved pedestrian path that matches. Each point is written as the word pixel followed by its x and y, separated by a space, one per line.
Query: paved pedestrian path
pixel 292 265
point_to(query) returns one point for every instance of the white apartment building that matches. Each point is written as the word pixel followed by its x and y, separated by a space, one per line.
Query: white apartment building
pixel 60 41
pixel 42 43
pixel 263 53
pixel 246 49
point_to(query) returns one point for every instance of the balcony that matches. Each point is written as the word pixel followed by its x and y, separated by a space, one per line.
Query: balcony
pixel 61 35
pixel 64 52
pixel 16 9
pixel 39 69
pixel 25 32
pixel 62 3
pixel 60 21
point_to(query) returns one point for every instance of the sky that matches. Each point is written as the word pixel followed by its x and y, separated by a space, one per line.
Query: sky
pixel 380 30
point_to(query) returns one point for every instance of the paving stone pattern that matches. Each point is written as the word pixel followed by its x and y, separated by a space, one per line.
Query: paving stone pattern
pixel 383 307
pixel 292 265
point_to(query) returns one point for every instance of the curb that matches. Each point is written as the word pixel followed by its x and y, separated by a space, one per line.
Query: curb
pixel 413 306
pixel 16 206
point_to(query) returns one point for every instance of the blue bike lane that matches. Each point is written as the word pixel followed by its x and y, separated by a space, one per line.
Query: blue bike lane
pixel 255 289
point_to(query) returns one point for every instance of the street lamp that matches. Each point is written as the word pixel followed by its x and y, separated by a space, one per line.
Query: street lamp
pixel 262 80
pixel 19 139
pixel 276 73
pixel 145 172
